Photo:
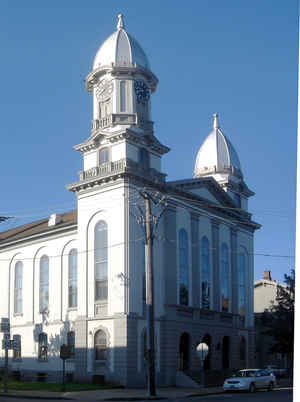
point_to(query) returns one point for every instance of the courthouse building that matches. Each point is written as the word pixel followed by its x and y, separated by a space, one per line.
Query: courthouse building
pixel 79 277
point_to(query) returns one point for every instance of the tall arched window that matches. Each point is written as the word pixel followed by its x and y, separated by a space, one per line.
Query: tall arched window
pixel 44 283
pixel 18 297
pixel 183 268
pixel 224 277
pixel 143 267
pixel 242 282
pixel 72 278
pixel 100 345
pixel 100 255
pixel 205 274
pixel 123 96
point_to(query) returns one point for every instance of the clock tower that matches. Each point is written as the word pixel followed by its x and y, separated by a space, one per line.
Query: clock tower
pixel 121 84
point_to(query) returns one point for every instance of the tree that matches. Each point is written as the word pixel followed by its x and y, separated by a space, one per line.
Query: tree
pixel 279 320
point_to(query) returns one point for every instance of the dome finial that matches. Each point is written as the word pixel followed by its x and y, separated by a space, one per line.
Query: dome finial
pixel 120 24
pixel 216 121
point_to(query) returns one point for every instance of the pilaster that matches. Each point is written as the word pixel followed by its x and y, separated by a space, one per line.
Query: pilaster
pixel 215 261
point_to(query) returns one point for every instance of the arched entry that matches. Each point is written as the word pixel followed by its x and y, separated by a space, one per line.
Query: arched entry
pixel 184 351
pixel 225 351
pixel 207 339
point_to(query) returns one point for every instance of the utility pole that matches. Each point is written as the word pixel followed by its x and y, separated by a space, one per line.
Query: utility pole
pixel 150 222
pixel 150 299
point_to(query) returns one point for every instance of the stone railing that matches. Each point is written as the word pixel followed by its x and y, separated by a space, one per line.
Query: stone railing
pixel 121 166
pixel 112 120
pixel 121 118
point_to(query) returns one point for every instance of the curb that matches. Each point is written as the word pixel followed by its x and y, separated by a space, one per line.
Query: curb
pixel 33 397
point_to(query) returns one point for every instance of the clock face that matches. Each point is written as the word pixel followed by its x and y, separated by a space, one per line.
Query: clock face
pixel 104 89
pixel 142 91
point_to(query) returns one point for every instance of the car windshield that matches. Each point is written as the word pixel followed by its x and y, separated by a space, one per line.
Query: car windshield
pixel 246 373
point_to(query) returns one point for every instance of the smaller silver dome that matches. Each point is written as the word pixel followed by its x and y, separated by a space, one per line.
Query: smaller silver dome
pixel 120 48
pixel 217 154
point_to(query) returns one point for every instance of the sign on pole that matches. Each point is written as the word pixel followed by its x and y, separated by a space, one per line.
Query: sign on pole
pixel 4 325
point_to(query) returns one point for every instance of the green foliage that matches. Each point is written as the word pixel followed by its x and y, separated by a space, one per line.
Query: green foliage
pixel 279 320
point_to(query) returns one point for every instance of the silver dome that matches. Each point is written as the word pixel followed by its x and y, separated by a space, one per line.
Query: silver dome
pixel 217 154
pixel 120 48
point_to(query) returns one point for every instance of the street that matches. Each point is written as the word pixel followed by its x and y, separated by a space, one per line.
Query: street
pixel 278 395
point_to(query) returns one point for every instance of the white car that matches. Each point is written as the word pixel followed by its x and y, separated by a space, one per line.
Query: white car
pixel 250 380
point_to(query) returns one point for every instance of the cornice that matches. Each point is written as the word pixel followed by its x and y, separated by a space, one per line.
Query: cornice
pixel 114 69
pixel 151 142
pixel 54 233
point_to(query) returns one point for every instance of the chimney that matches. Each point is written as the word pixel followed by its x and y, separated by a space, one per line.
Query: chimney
pixel 267 275
pixel 54 220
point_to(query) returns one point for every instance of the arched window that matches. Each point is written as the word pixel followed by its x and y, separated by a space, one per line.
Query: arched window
pixel 18 297
pixel 17 354
pixel 242 282
pixel 43 346
pixel 72 278
pixel 71 343
pixel 123 96
pixel 183 268
pixel 104 155
pixel 242 348
pixel 100 255
pixel 143 267
pixel 205 274
pixel 224 277
pixel 100 345
pixel 44 283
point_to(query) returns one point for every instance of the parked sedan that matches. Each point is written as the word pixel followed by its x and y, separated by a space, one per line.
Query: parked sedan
pixel 250 380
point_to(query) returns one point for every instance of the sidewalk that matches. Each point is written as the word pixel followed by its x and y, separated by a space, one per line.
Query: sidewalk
pixel 126 394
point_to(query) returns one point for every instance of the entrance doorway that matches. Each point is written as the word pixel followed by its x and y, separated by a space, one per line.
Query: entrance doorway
pixel 184 351
pixel 207 339
pixel 225 351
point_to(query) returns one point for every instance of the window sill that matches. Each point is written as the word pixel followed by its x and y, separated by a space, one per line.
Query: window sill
pixel 42 360
pixel 17 360
pixel 72 308
pixel 18 314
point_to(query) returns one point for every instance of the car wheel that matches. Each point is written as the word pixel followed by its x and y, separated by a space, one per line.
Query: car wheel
pixel 252 388
pixel 271 386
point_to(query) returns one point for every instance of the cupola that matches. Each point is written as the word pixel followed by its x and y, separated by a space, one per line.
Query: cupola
pixel 218 158
pixel 120 48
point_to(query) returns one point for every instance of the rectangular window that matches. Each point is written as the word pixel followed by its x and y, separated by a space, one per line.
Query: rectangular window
pixel 123 96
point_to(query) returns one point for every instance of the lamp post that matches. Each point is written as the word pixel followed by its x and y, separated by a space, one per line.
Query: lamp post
pixel 202 351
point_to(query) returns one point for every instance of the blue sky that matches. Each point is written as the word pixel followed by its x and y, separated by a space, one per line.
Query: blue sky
pixel 233 57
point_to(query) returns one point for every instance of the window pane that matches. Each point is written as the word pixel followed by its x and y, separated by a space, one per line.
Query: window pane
pixel 242 278
pixel 100 256
pixel 123 96
pixel 183 268
pixel 224 277
pixel 44 283
pixel 104 156
pixel 72 278
pixel 100 345
pixel 18 287
pixel 205 273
